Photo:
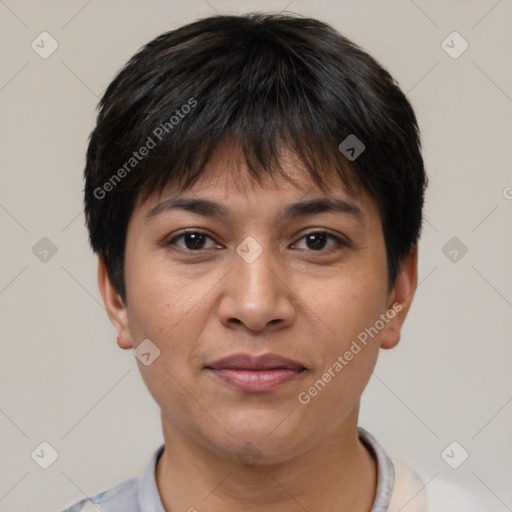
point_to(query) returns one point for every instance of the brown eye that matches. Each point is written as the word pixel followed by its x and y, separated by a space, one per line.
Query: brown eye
pixel 317 241
pixel 191 240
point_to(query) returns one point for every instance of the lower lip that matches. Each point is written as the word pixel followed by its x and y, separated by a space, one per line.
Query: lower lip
pixel 256 380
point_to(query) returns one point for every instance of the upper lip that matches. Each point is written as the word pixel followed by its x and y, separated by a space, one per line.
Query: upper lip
pixel 251 362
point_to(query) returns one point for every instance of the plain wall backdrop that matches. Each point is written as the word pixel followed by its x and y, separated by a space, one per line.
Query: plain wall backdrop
pixel 63 379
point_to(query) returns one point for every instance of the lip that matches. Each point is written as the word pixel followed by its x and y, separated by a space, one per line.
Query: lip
pixel 250 373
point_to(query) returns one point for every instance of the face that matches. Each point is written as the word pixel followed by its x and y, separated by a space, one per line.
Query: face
pixel 264 271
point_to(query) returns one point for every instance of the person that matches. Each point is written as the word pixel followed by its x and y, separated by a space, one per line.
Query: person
pixel 254 189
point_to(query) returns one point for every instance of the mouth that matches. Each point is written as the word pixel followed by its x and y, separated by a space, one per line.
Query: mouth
pixel 255 373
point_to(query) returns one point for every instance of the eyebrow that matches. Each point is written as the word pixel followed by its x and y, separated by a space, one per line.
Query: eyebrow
pixel 209 208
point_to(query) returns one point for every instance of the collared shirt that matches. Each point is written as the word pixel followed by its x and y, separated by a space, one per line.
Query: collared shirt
pixel 141 494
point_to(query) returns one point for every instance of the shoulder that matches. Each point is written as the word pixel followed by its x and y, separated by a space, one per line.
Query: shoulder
pixel 122 496
pixel 132 495
pixel 411 493
pixel 408 493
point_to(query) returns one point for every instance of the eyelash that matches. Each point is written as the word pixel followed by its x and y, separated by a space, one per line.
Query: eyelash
pixel 338 240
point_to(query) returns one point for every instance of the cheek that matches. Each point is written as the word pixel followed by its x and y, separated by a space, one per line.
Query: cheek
pixel 347 312
pixel 349 304
pixel 157 297
pixel 167 311
pixel 349 350
pixel 171 310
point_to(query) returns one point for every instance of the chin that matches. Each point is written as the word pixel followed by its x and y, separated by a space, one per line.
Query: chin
pixel 266 431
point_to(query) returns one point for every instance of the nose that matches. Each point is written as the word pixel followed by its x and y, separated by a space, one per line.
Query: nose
pixel 256 295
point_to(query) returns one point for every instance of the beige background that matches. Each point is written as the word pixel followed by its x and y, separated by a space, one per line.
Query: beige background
pixel 63 379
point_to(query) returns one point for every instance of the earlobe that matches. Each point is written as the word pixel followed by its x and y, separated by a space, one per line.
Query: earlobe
pixel 115 306
pixel 400 300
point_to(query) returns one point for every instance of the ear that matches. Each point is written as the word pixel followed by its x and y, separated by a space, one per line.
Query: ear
pixel 400 299
pixel 115 307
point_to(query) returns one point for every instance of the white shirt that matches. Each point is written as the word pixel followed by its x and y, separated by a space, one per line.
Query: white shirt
pixel 398 490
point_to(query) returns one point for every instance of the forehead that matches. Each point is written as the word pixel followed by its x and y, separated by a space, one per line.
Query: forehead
pixel 227 176
pixel 227 191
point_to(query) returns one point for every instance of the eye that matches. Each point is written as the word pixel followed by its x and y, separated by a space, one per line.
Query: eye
pixel 316 241
pixel 192 240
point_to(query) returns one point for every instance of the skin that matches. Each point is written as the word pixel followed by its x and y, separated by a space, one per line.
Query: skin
pixel 199 303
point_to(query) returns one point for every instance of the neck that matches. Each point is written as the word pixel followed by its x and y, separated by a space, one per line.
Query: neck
pixel 338 474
